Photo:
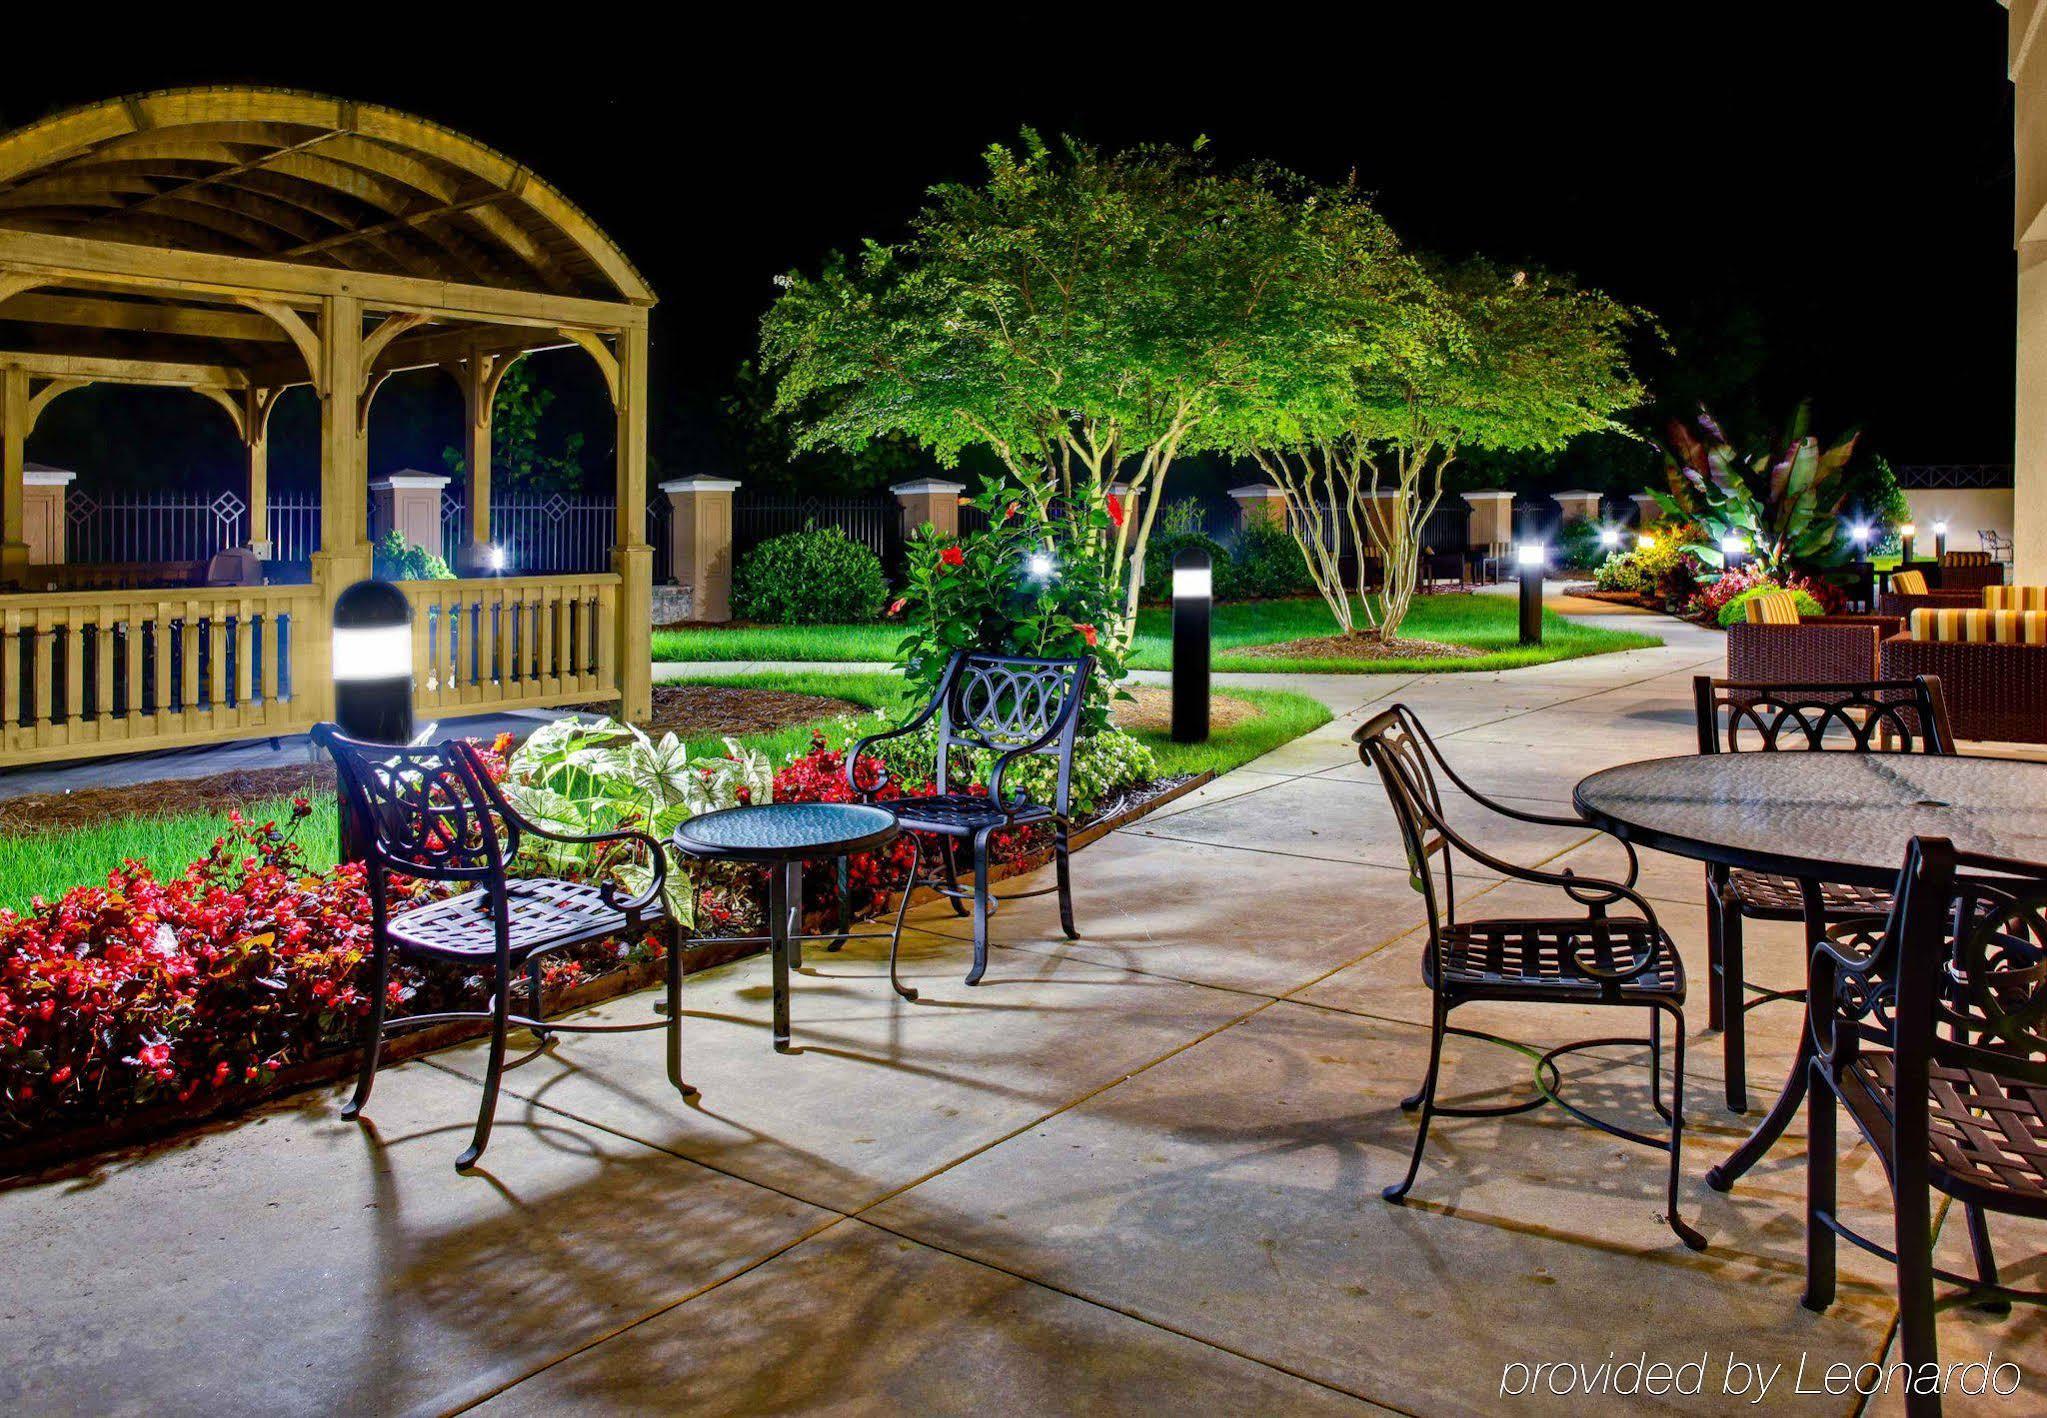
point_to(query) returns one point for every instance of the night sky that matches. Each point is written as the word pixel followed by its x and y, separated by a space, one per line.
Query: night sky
pixel 1817 203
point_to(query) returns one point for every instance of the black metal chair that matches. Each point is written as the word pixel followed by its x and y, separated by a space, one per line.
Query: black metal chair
pixel 1903 716
pixel 1626 961
pixel 432 813
pixel 1012 707
pixel 1930 1030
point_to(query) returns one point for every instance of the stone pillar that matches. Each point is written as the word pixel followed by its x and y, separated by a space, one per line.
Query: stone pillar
pixel 1578 503
pixel 700 543
pixel 932 500
pixel 42 513
pixel 1259 500
pixel 409 503
pixel 1492 520
pixel 1648 511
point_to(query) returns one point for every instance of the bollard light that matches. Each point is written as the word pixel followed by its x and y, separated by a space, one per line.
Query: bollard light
pixel 372 677
pixel 1530 558
pixel 1860 531
pixel 1193 597
pixel 1609 536
pixel 1732 550
pixel 497 559
pixel 1940 541
pixel 1905 535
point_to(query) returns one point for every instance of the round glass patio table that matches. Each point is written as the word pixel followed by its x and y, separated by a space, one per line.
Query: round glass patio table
pixel 784 836
pixel 1818 817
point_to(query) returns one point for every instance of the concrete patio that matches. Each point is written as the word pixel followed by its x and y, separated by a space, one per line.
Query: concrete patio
pixel 1135 1172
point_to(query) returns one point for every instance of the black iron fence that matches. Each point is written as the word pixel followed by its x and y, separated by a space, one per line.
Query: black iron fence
pixel 1956 475
pixel 875 520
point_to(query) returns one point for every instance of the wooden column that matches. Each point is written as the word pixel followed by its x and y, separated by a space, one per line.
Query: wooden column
pixel 631 557
pixel 13 467
pixel 256 406
pixel 479 376
pixel 344 555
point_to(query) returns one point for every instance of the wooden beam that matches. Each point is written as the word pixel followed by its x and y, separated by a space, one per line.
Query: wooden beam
pixel 53 258
pixel 294 325
pixel 199 322
pixel 40 400
pixel 104 369
pixel 607 363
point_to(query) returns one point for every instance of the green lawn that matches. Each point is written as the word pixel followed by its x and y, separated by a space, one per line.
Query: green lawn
pixel 51 863
pixel 1489 623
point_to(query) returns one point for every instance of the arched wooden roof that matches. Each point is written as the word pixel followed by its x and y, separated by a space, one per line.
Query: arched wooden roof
pixel 304 179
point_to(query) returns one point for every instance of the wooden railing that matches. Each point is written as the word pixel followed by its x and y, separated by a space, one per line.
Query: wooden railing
pixel 512 642
pixel 94 672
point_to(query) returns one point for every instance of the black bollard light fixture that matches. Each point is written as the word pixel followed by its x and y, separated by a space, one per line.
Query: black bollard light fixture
pixel 1733 550
pixel 1906 534
pixel 1940 541
pixel 373 663
pixel 1193 598
pixel 1529 560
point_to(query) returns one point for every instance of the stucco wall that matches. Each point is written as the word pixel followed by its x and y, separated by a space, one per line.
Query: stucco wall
pixel 1966 511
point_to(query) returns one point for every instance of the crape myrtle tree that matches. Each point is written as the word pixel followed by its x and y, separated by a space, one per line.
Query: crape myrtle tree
pixel 1433 358
pixel 1087 317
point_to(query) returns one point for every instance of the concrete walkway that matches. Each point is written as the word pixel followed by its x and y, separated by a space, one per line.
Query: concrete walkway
pixel 1137 1172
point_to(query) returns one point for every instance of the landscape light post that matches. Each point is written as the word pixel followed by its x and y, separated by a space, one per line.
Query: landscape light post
pixel 1940 542
pixel 1529 559
pixel 372 678
pixel 1193 599
pixel 1732 550
pixel 1906 534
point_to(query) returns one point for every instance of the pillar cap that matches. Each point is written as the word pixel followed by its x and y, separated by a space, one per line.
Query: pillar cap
pixel 1574 492
pixel 43 475
pixel 412 477
pixel 675 486
pixel 1491 494
pixel 915 486
pixel 1251 490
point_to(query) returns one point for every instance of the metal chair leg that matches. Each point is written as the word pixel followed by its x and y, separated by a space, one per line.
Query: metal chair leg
pixel 952 877
pixel 1656 1063
pixel 1733 1011
pixel 500 1008
pixel 1986 1261
pixel 674 1030
pixel 1686 1233
pixel 1917 1340
pixel 1062 864
pixel 843 880
pixel 1425 1100
pixel 373 1033
pixel 1821 1168
pixel 778 950
pixel 1716 965
pixel 980 908
pixel 534 990
pixel 895 942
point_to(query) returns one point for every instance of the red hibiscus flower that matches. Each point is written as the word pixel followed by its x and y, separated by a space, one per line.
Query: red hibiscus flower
pixel 1087 633
pixel 895 607
pixel 952 556
pixel 1115 510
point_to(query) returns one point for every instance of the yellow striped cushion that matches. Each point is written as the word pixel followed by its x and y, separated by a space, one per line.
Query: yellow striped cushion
pixel 1909 583
pixel 1981 627
pixel 1966 558
pixel 2015 598
pixel 1772 608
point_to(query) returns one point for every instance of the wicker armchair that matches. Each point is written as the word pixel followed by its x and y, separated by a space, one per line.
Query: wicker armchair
pixel 1970 571
pixel 1839 648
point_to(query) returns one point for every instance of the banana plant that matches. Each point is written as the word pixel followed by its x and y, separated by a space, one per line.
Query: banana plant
pixel 578 777
pixel 1784 501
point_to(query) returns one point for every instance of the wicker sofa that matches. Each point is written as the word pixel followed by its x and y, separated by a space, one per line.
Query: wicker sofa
pixel 1909 591
pixel 1992 664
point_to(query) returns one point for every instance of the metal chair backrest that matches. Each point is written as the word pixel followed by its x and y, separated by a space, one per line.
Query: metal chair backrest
pixel 1012 705
pixel 423 811
pixel 1738 717
pixel 1396 744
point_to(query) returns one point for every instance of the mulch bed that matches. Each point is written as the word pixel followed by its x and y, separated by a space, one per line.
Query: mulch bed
pixel 689 710
pixel 1360 647
pixel 1150 706
pixel 37 813
pixel 692 711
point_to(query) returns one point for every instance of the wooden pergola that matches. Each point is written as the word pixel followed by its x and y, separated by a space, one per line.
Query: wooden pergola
pixel 237 242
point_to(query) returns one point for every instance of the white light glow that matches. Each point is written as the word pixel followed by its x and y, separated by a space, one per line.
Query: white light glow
pixel 1609 536
pixel 1530 554
pixel 1910 529
pixel 1733 546
pixel 372 652
pixel 1860 531
pixel 497 558
pixel 1940 529
pixel 1646 542
pixel 1040 566
pixel 1190 582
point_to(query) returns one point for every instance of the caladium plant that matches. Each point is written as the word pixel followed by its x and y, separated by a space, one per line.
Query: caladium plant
pixel 1784 501
pixel 582 777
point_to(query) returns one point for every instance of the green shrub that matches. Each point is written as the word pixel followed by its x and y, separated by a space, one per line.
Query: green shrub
pixel 817 576
pixel 395 559
pixel 1578 547
pixel 1268 561
pixel 1621 571
pixel 1160 550
pixel 1736 609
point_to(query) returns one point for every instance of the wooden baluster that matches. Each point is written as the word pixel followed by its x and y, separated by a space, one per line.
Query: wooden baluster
pixel 245 611
pixel 45 674
pixel 162 639
pixel 71 628
pixel 216 665
pixel 272 642
pixel 138 629
pixel 422 654
pixel 607 648
pixel 10 681
pixel 105 646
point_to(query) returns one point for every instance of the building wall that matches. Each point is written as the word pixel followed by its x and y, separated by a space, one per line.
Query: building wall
pixel 1966 511
pixel 2028 61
